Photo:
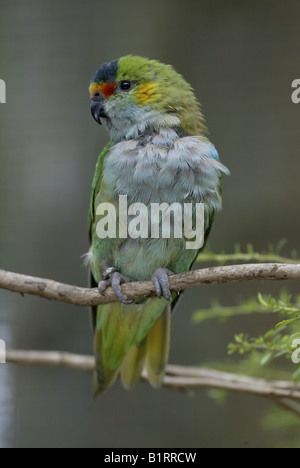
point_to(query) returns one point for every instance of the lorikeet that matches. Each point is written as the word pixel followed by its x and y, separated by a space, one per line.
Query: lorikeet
pixel 158 153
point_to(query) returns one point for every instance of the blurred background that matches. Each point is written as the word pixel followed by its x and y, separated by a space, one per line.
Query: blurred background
pixel 241 58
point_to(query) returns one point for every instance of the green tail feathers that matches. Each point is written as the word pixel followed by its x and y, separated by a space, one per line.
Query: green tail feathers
pixel 132 365
pixel 129 337
pixel 158 345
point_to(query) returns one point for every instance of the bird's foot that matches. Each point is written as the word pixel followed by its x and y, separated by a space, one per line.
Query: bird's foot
pixel 112 277
pixel 160 279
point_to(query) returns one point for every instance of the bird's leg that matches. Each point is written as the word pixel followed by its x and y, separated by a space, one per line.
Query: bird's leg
pixel 160 279
pixel 112 277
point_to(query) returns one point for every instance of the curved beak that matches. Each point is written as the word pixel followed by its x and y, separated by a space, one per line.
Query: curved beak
pixel 97 109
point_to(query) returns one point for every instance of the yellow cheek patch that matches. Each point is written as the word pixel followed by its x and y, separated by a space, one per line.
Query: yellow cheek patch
pixel 146 93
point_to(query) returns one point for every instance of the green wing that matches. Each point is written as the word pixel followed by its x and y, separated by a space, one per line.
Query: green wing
pixel 96 186
pixel 95 189
pixel 120 331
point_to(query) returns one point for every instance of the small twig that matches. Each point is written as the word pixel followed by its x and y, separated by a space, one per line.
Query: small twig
pixel 50 289
pixel 221 259
pixel 51 359
pixel 177 377
pixel 226 312
pixel 289 405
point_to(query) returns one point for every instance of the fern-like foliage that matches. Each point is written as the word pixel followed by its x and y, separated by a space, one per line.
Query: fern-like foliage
pixel 274 353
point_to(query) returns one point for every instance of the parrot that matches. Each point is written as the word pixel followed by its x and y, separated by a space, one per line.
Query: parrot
pixel 158 152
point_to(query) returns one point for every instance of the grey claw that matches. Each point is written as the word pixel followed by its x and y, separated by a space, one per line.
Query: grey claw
pixel 102 286
pixel 157 286
pixel 165 288
pixel 116 280
pixel 161 283
pixel 111 277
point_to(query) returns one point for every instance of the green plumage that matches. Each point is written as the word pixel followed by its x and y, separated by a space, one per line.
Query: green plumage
pixel 158 153
pixel 175 94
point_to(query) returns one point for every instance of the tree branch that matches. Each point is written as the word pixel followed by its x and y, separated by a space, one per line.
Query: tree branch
pixel 223 258
pixel 180 378
pixel 176 378
pixel 53 290
pixel 289 404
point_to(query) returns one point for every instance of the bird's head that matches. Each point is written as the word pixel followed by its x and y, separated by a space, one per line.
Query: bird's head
pixel 133 94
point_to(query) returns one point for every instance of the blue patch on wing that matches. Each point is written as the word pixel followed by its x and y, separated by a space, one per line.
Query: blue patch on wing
pixel 214 153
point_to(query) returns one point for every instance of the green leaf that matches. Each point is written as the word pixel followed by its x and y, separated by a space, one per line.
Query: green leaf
pixel 280 246
pixel 294 335
pixel 285 322
pixel 219 396
pixel 280 353
pixel 267 358
pixel 250 249
pixel 285 339
pixel 239 338
pixel 262 301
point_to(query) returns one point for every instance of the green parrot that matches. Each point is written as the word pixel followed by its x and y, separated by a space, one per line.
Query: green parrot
pixel 158 153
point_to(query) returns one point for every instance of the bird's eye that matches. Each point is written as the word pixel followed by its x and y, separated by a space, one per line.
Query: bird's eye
pixel 125 85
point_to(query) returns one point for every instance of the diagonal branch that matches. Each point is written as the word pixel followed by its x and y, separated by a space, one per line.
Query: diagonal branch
pixel 223 258
pixel 289 405
pixel 53 290
pixel 177 377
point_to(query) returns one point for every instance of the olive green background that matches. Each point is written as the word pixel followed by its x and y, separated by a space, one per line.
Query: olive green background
pixel 241 58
